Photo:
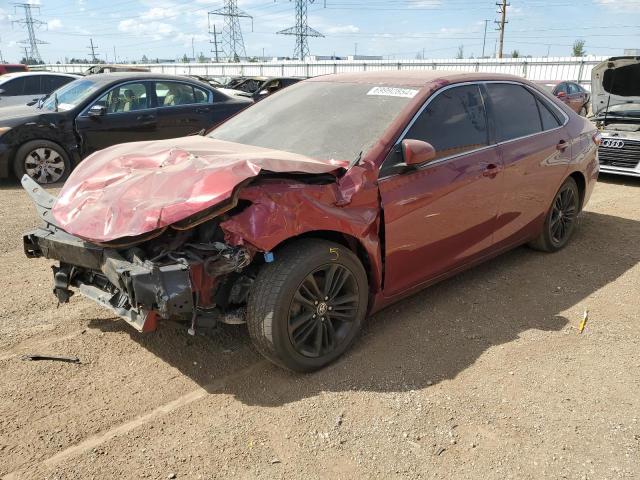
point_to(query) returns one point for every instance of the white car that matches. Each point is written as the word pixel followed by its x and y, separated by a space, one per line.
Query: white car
pixel 25 87
pixel 615 101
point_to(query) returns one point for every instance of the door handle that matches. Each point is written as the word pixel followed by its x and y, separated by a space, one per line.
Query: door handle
pixel 562 145
pixel 203 110
pixel 146 117
pixel 491 170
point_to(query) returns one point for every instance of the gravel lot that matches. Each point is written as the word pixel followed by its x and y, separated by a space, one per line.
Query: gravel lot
pixel 482 376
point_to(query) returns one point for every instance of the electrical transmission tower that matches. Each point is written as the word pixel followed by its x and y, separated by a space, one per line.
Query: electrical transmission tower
pixel 31 24
pixel 93 47
pixel 502 10
pixel 232 42
pixel 302 31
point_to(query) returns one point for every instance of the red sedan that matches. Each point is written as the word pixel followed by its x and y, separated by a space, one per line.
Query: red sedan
pixel 321 204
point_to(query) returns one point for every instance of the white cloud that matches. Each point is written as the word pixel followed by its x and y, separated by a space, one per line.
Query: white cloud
pixel 54 24
pixel 424 3
pixel 157 30
pixel 159 13
pixel 342 29
pixel 620 5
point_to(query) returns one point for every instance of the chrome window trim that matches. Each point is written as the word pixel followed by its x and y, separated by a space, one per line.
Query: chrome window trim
pixel 84 112
pixel 534 92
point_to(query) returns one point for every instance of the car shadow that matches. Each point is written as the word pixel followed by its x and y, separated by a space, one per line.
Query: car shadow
pixel 428 338
pixel 625 180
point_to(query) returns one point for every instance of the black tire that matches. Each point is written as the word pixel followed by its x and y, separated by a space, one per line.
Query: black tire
pixel 561 219
pixel 281 308
pixel 44 161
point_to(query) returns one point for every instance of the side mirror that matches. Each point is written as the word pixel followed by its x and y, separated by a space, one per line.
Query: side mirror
pixel 97 111
pixel 561 95
pixel 1 91
pixel 416 152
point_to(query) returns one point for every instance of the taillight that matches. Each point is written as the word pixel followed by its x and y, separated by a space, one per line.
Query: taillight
pixel 597 138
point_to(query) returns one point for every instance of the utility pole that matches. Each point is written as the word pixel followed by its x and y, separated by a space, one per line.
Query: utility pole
pixel 215 41
pixel 355 50
pixel 93 47
pixel 193 50
pixel 31 25
pixel 232 41
pixel 484 41
pixel 115 58
pixel 502 6
pixel 302 31
pixel 26 54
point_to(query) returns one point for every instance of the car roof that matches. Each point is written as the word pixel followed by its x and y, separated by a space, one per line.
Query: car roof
pixel 413 78
pixel 9 76
pixel 114 77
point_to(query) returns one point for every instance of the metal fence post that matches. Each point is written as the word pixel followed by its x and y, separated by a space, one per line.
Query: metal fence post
pixel 580 70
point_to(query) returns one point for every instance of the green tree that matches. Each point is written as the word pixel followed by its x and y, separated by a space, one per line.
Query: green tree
pixel 202 58
pixel 144 59
pixel 185 59
pixel 578 48
pixel 460 53
pixel 515 54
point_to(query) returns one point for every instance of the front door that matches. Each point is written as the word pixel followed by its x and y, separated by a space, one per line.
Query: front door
pixel 441 215
pixel 128 116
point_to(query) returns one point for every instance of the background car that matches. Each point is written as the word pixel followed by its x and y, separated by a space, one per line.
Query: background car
pixel 258 88
pixel 22 88
pixel 571 93
pixel 12 68
pixel 98 111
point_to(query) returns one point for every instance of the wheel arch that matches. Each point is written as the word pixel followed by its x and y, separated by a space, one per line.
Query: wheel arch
pixel 346 240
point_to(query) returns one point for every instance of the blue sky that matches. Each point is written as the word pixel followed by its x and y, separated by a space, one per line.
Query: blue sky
pixel 393 28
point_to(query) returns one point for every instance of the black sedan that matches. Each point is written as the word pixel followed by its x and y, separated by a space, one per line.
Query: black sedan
pixel 47 140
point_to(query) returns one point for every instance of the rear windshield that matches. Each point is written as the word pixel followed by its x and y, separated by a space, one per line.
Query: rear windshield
pixel 322 120
pixel 622 81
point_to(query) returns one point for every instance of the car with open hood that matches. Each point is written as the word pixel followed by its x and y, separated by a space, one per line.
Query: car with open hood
pixel 615 86
pixel 321 204
pixel 46 140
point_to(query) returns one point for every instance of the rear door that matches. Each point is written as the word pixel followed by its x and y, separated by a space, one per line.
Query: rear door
pixel 441 215
pixel 535 151
pixel 129 116
pixel 575 97
pixel 183 109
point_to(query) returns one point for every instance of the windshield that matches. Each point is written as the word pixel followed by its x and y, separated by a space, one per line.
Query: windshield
pixel 71 95
pixel 322 120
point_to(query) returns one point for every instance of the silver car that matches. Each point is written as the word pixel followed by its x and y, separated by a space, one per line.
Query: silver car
pixel 25 87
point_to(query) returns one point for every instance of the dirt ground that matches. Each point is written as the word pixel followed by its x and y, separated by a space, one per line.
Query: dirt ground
pixel 482 376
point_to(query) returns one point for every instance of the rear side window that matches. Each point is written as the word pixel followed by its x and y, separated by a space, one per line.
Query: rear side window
pixel 171 94
pixel 560 88
pixel 454 122
pixel 549 120
pixel 514 110
pixel 573 88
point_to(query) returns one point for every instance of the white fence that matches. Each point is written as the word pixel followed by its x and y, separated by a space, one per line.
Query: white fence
pixel 544 68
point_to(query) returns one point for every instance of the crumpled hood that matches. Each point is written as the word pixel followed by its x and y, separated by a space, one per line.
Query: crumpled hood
pixel 135 188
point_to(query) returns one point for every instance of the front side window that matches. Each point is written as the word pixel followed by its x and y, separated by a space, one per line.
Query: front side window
pixel 125 98
pixel 53 82
pixel 454 122
pixel 514 110
pixel 573 88
pixel 171 94
pixel 13 87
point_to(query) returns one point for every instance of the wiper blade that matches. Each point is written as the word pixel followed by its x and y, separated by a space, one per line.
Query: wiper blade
pixel 355 161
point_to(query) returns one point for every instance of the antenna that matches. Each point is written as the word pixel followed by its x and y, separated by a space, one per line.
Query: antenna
pixel 31 24
pixel 302 31
pixel 232 41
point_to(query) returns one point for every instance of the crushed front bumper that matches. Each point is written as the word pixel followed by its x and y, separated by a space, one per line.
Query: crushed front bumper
pixel 139 291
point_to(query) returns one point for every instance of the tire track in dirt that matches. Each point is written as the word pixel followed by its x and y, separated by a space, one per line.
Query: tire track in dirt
pixel 126 427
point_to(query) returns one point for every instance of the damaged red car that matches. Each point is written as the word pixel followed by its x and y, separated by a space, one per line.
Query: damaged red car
pixel 319 205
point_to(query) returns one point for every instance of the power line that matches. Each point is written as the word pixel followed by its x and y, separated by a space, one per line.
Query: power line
pixel 31 25
pixel 232 41
pixel 302 31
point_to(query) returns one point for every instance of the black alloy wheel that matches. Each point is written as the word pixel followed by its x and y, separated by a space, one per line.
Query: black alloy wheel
pixel 563 215
pixel 323 311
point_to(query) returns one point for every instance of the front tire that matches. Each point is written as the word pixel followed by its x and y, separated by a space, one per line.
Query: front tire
pixel 306 307
pixel 44 161
pixel 561 219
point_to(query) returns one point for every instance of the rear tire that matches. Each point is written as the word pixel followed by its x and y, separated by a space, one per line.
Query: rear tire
pixel 561 219
pixel 307 306
pixel 44 161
